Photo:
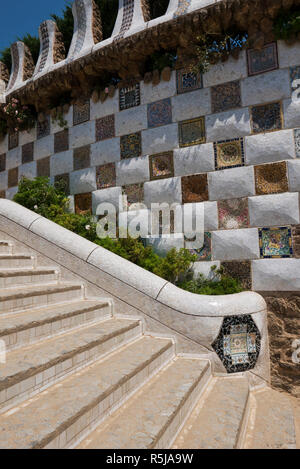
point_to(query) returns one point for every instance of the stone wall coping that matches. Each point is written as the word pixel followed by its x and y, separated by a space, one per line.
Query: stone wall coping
pixel 245 303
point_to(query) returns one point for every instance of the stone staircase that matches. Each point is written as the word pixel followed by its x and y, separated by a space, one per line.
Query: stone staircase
pixel 78 375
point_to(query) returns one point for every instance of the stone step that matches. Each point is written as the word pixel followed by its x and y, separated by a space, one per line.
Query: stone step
pixel 15 277
pixel 152 417
pixel 13 261
pixel 218 417
pixel 272 421
pixel 68 410
pixel 28 370
pixel 31 296
pixel 6 247
pixel 25 328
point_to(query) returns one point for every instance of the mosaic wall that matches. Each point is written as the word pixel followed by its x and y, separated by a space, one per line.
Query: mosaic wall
pixel 228 140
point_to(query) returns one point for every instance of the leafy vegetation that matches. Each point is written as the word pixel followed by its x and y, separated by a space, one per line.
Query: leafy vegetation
pixel 52 202
pixel 14 117
pixel 287 24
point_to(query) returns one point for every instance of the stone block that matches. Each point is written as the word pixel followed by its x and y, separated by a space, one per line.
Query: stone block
pixel 44 147
pixel 269 147
pixel 132 171
pixel 106 151
pixel 291 112
pixel 194 159
pixel 134 119
pixel 227 125
pixel 226 71
pixel 288 54
pixel 164 89
pixel 108 107
pixel 235 244
pixel 112 195
pixel 231 183
pixel 276 275
pixel 191 105
pixel 271 86
pixel 160 139
pixel 274 210
pixel 294 175
pixel 28 170
pixel 83 134
pixel 14 158
pixel 83 181
pixel 61 163
pixel 164 190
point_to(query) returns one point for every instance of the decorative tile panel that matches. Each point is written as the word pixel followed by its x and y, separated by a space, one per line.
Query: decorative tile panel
pixel 81 112
pixel 275 243
pixel 266 118
pixel 43 167
pixel 297 142
pixel 182 9
pixel 263 60
pixel 27 153
pixel 296 241
pixel 131 145
pixel 229 153
pixel 294 75
pixel 188 81
pixel 238 343
pixel 204 253
pixel 192 132
pixel 2 195
pixel 271 178
pixel 13 140
pixel 128 10
pixel 82 158
pixel 2 162
pixel 61 141
pixel 194 188
pixel 83 204
pixel 161 165
pixel 226 96
pixel 43 128
pixel 105 128
pixel 134 194
pixel 239 270
pixel 63 182
pixel 233 214
pixel 130 96
pixel 13 177
pixel 160 113
pixel 106 176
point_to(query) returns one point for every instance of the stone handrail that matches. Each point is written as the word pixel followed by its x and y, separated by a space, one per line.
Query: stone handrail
pixel 195 318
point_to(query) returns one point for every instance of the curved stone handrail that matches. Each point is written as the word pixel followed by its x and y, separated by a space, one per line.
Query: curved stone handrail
pixel 194 320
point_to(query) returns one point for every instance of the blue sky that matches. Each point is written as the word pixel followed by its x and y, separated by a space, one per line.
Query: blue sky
pixel 18 17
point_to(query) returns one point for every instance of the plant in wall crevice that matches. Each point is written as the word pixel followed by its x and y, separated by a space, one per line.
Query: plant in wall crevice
pixel 287 25
pixel 15 116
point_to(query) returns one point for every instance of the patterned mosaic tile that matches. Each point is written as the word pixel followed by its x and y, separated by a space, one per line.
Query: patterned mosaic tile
pixel 63 182
pixel 192 132
pixel 233 214
pixel 61 141
pixel 27 153
pixel 294 75
pixel 83 203
pixel 13 140
pixel 82 158
pixel 2 162
pixel 161 165
pixel 266 118
pixel 160 113
pixel 296 240
pixel 134 194
pixel 182 9
pixel 239 270
pixel 229 153
pixel 226 96
pixel 13 177
pixel 194 188
pixel 271 178
pixel 128 10
pixel 43 128
pixel 2 195
pixel 263 60
pixel 43 167
pixel 130 96
pixel 81 112
pixel 238 343
pixel 131 145
pixel 105 128
pixel 204 254
pixel 188 81
pixel 275 242
pixel 106 176
pixel 297 142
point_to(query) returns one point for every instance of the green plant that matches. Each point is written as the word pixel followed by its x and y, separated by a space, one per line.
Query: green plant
pixel 209 48
pixel 287 24
pixel 161 59
pixel 17 116
pixel 51 202
pixel 58 117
